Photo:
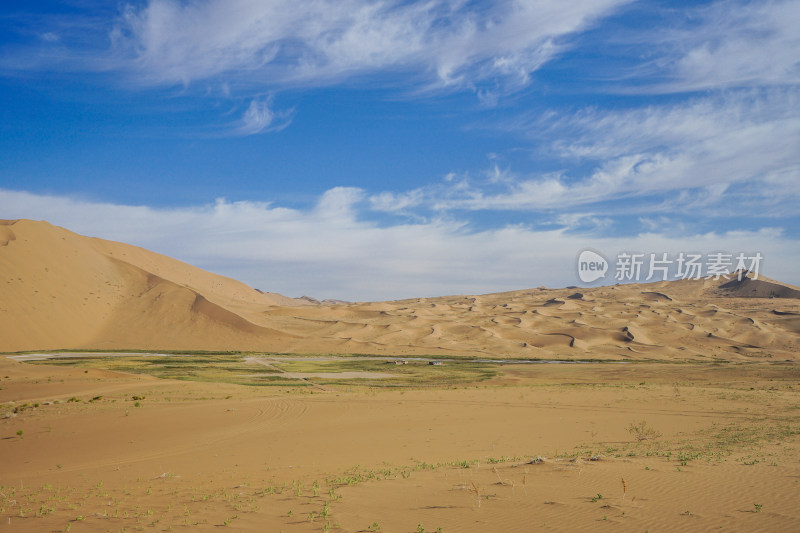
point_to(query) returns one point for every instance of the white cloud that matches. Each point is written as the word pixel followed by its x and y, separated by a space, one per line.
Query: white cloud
pixel 259 118
pixel 728 44
pixel 328 252
pixel 442 42
pixel 736 151
pixel 712 143
pixel 399 203
pixel 752 44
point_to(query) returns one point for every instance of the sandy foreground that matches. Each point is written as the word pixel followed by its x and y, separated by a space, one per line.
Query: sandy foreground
pixel 538 447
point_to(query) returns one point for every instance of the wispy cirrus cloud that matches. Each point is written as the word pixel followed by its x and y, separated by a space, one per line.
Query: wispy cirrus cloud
pixel 275 44
pixel 742 45
pixel 719 153
pixel 724 44
pixel 281 42
pixel 259 117
pixel 238 50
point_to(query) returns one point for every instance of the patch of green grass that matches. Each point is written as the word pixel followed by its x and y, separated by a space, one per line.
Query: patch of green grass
pixel 234 368
pixel 218 368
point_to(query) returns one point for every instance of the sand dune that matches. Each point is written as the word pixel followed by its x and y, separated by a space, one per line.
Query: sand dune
pixel 758 288
pixel 60 290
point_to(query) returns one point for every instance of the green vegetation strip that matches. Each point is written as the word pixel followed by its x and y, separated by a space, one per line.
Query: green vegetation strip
pixel 235 368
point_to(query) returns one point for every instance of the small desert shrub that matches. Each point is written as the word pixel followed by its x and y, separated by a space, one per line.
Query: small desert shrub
pixel 641 431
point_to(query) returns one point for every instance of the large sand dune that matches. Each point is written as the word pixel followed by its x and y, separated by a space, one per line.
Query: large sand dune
pixel 60 290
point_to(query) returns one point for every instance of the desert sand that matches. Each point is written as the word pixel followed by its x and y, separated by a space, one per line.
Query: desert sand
pixel 60 290
pixel 686 418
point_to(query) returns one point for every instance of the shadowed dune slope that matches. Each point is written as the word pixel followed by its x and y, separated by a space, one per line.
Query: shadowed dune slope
pixel 758 288
pixel 60 290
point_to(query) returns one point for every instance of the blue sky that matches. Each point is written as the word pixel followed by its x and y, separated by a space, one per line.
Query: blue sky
pixel 382 149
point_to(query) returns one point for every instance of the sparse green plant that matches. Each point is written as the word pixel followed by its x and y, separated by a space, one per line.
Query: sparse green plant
pixel 374 527
pixel 758 507
pixel 420 529
pixel 19 433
